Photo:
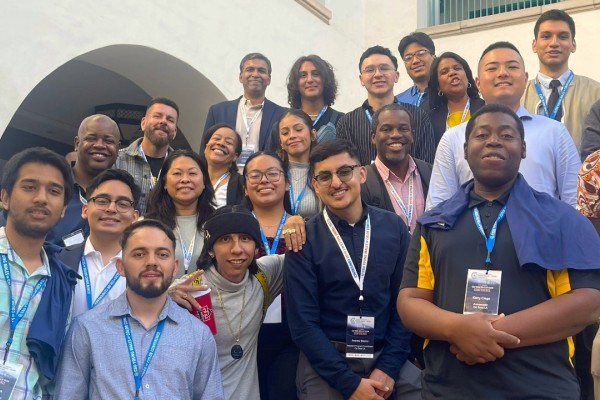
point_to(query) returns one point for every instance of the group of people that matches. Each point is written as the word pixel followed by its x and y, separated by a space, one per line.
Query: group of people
pixel 345 255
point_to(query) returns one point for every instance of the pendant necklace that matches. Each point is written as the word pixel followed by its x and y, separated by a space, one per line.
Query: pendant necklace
pixel 236 350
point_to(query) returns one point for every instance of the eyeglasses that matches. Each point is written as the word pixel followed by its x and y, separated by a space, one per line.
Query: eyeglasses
pixel 273 175
pixel 383 68
pixel 419 54
pixel 343 173
pixel 122 205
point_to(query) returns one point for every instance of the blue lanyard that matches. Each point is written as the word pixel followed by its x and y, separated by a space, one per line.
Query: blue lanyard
pixel 563 92
pixel 88 285
pixel 133 357
pixel 270 251
pixel 319 116
pixel 369 117
pixel 296 203
pixel 490 241
pixel 17 316
pixel 420 98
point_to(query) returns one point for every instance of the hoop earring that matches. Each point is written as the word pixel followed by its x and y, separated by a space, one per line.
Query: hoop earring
pixel 469 85
pixel 440 93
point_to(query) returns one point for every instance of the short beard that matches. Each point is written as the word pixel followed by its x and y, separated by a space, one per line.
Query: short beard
pixel 149 292
pixel 30 231
pixel 158 141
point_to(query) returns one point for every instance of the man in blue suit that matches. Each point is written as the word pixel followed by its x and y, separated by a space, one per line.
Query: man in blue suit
pixel 252 114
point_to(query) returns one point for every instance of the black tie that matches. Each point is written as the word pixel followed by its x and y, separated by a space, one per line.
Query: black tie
pixel 554 85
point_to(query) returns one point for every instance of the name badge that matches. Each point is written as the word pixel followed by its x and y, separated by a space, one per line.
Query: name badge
pixel 73 238
pixel 360 337
pixel 9 374
pixel 482 294
pixel 247 151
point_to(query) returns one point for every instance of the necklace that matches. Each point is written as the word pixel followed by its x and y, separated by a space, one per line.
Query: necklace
pixel 236 350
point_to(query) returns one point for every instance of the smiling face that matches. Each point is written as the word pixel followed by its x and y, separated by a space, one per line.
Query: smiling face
pixel 109 222
pixel 97 145
pixel 342 198
pixel 418 68
pixel 553 46
pixel 160 124
pixel 378 83
pixel 220 149
pixel 233 253
pixel 393 137
pixel 452 78
pixel 148 262
pixel 310 82
pixel 502 77
pixel 494 151
pixel 265 193
pixel 36 202
pixel 295 137
pixel 255 78
pixel 184 182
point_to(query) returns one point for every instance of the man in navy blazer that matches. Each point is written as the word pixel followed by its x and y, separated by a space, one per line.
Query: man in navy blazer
pixel 252 114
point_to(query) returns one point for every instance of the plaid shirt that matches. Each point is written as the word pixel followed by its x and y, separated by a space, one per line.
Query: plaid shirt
pixel 132 160
pixel 30 384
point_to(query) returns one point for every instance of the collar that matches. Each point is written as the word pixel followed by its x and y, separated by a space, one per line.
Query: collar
pixel 246 102
pixel 132 149
pixel 545 80
pixel 476 200
pixel 523 114
pixel 120 307
pixel 44 269
pixel 414 91
pixel 385 171
pixel 366 106
pixel 340 223
pixel 89 249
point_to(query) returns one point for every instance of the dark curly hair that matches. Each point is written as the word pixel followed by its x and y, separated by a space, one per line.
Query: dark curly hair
pixel 325 70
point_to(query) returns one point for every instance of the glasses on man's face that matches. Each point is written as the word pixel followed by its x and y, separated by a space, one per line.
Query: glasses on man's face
pixel 419 54
pixel 102 203
pixel 273 175
pixel 343 173
pixel 369 70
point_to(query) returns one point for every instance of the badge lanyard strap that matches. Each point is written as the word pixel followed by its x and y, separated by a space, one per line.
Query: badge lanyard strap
pixel 359 280
pixel 319 116
pixel 490 241
pixel 369 117
pixel 17 316
pixel 273 248
pixel 464 114
pixel 143 155
pixel 248 125
pixel 408 211
pixel 563 92
pixel 221 179
pixel 88 285
pixel 420 98
pixel 187 252
pixel 133 357
pixel 296 203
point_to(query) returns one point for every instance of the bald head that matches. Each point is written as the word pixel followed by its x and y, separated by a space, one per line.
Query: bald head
pixel 96 144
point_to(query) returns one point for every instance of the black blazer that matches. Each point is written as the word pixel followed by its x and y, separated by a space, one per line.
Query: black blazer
pixel 226 112
pixel 71 256
pixel 235 189
pixel 374 192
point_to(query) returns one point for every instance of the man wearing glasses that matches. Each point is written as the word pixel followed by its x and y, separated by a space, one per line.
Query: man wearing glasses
pixel 344 283
pixel 378 74
pixel 417 51
pixel 113 195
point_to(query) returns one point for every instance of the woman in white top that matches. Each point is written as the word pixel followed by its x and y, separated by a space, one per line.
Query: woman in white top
pixel 182 199
pixel 223 146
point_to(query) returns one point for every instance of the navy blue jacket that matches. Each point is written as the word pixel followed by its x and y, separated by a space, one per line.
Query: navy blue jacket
pixel 320 293
pixel 226 112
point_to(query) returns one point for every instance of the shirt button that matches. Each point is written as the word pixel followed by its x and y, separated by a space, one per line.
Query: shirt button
pixel 487 215
pixel 147 386
pixel 489 204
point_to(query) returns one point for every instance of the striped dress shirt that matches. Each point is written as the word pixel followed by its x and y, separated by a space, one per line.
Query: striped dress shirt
pixel 356 128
